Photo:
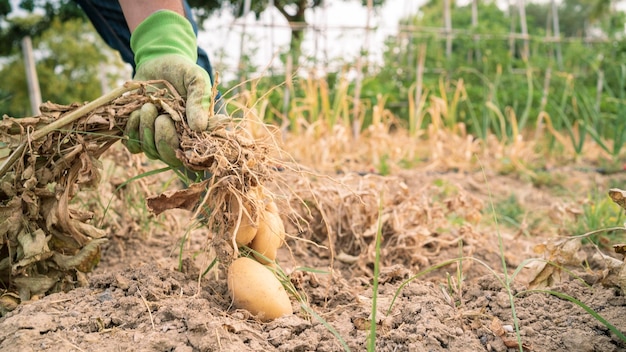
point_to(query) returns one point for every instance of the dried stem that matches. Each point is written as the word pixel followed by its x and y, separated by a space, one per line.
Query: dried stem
pixel 67 119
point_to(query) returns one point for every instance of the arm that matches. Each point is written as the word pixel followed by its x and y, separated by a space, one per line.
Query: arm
pixel 165 48
pixel 135 11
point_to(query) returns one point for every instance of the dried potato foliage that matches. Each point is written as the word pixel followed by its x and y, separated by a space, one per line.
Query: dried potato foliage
pixel 618 196
pixel 46 244
pixel 337 148
pixel 564 258
pixel 342 213
pixel 239 165
pixel 568 259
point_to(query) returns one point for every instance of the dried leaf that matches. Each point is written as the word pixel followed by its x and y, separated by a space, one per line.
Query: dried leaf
pixel 34 243
pixel 50 106
pixel 12 219
pixel 620 248
pixel 87 229
pixel 8 302
pixel 178 199
pixel 86 259
pixel 173 113
pixel 29 286
pixel 618 196
pixel 33 248
pixel 512 343
pixel 361 323
pixel 48 211
pixel 544 276
pixel 98 119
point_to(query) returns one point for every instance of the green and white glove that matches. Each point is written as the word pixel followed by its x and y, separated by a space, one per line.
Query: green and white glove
pixel 165 47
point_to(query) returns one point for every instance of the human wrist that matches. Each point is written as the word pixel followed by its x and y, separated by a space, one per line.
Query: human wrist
pixel 163 33
pixel 135 11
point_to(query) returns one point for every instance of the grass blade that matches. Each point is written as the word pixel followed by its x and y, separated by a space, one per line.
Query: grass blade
pixel 371 340
pixel 597 316
pixel 327 326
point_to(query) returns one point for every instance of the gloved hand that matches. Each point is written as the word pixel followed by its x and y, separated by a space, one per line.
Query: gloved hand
pixel 165 47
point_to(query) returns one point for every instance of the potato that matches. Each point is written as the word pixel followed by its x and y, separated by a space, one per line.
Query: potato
pixel 247 228
pixel 255 288
pixel 272 207
pixel 269 237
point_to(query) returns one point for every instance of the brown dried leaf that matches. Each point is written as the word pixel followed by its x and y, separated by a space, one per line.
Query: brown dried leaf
pixel 33 285
pixel 34 248
pixel 498 329
pixel 12 219
pixel 177 199
pixel 48 210
pixel 544 277
pixel 84 261
pixel 87 229
pixel 512 343
pixel 170 111
pixel 89 174
pixel 50 106
pixel 361 323
pixel 33 244
pixel 8 302
pixel 618 196
pixel 99 119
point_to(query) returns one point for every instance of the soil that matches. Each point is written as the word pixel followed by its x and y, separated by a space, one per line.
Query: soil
pixel 148 292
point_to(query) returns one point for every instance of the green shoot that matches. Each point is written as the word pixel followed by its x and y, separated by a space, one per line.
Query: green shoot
pixel 597 316
pixel 330 328
pixel 371 340
pixel 206 271
pixel 507 282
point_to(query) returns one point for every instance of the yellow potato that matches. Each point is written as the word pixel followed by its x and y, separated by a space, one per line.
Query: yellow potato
pixel 254 287
pixel 272 207
pixel 269 237
pixel 247 228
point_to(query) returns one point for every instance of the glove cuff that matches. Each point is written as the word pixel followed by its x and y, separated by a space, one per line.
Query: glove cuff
pixel 164 33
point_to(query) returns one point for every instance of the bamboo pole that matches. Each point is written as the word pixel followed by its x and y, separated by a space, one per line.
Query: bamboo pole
pixel 240 64
pixel 361 62
pixel 419 87
pixel 557 33
pixel 599 86
pixel 477 54
pixel 512 30
pixel 447 22
pixel 34 92
pixel 521 5
pixel 288 85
